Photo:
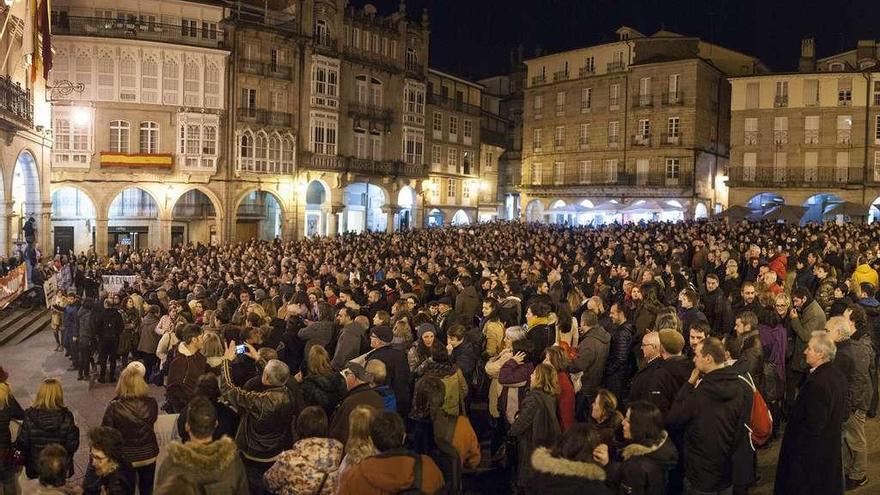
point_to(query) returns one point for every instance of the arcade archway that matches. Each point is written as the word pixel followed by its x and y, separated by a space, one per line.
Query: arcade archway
pixel 259 216
pixel 535 211
pixel 363 207
pixel 406 200
pixel 315 220
pixel 73 220
pixel 194 219
pixel 132 220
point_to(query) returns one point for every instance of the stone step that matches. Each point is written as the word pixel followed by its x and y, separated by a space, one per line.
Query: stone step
pixel 22 324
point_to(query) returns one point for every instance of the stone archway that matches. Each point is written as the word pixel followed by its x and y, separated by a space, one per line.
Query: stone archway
pixel 535 211
pixel 196 218
pixel 259 214
pixel 73 220
pixel 406 203
pixel 317 196
pixel 133 221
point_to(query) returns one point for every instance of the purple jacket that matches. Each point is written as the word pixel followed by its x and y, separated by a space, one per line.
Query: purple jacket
pixel 774 338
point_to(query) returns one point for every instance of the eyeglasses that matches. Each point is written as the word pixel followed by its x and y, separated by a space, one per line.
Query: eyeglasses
pixel 781 305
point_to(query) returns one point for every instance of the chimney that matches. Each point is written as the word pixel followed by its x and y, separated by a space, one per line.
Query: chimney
pixel 807 62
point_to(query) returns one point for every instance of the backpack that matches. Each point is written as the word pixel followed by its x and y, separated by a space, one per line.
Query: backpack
pixel 774 387
pixel 760 420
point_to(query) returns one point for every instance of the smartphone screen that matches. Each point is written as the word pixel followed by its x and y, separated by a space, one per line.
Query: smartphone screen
pixel 240 349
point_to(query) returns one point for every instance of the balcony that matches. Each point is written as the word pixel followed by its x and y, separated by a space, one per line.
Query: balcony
pixel 371 59
pixel 583 143
pixel 811 136
pixel 803 177
pixel 844 136
pixel 641 140
pixel 618 66
pixel 844 102
pixel 673 98
pixel 348 164
pixel 586 71
pixel 371 112
pixel 327 46
pixel 670 139
pixel 613 141
pixel 561 75
pixel 16 105
pixel 780 101
pixel 268 117
pixel 613 103
pixel 601 177
pixel 750 138
pixel 138 30
pixel 453 104
pixel 780 137
pixel 249 66
pixel 414 70
pixel 643 101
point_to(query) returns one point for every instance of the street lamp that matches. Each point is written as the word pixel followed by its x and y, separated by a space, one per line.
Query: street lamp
pixel 81 116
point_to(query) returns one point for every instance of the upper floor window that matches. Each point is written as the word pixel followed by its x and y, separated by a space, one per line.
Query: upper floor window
pixel 412 61
pixel 149 137
pixel 120 135
pixel 321 32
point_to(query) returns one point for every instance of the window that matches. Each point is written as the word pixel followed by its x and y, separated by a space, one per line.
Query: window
pixel 127 78
pixel 209 140
pixel 611 170
pixel 360 143
pixel 376 148
pixel 375 92
pixel 437 125
pixel 613 133
pixel 614 97
pixel 412 61
pixel 584 140
pixel 451 186
pixel 72 140
pixel 436 155
pixel 811 166
pixel 560 103
pixel 559 137
pixel 811 129
pixel 414 99
pixel 452 160
pixel 586 99
pixel 644 128
pixel 673 129
pixel 453 128
pixel 644 91
pixel 191 84
pixel 780 130
pixel 209 30
pixel 674 90
pixel 106 77
pixel 245 151
pixel 149 138
pixel 844 92
pixel 841 172
pixel 753 95
pixel 170 82
pixel 539 106
pixel 877 129
pixel 466 189
pixel 537 139
pixel 212 86
pixel 811 92
pixel 780 166
pixel 536 174
pixel 468 131
pixel 584 171
pixel 321 32
pixel 189 28
pixel 325 81
pixel 844 129
pixel 323 133
pixel 750 131
pixel 84 73
pixel 559 173
pixel 877 92
pixel 590 65
pixel 877 165
pixel 749 166
pixel 120 131
pixel 781 97
pixel 673 169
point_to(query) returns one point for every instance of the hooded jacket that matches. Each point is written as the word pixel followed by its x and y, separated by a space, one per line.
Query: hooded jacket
pixel 149 340
pixel 559 476
pixel 644 468
pixel 864 273
pixel 390 472
pixel 215 467
pixel 317 333
pixel 467 303
pixel 711 416
pixel 535 426
pixel 348 345
pixel 591 357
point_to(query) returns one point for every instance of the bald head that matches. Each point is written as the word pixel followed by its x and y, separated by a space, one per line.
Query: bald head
pixel 651 346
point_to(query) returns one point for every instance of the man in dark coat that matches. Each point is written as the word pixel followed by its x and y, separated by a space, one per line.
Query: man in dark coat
pixel 467 302
pixel 396 365
pixel 109 328
pixel 620 365
pixel 810 457
pixel 653 382
pixel 710 410
pixel 717 308
pixel 360 393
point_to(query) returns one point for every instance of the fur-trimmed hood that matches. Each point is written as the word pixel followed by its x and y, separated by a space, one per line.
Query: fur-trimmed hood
pixel 204 459
pixel 662 452
pixel 544 462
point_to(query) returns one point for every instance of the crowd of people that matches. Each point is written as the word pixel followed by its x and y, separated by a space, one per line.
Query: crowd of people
pixel 653 358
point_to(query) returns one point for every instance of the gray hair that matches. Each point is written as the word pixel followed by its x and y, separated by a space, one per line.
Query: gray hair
pixel 824 345
pixel 276 373
pixel 841 325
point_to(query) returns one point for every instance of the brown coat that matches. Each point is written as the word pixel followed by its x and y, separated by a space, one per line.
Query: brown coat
pixel 389 472
pixel 362 395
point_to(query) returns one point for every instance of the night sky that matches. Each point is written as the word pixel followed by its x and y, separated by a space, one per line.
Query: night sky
pixel 473 38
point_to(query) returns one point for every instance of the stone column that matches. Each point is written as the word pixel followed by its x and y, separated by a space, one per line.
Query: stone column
pixel 332 212
pixel 164 233
pixel 101 236
pixel 45 235
pixel 390 212
pixel 289 231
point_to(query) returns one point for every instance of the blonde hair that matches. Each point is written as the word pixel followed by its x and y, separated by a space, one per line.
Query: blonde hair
pixel 359 443
pixel 212 345
pixel 547 379
pixel 319 361
pixel 558 358
pixel 5 393
pixel 50 395
pixel 607 401
pixel 131 384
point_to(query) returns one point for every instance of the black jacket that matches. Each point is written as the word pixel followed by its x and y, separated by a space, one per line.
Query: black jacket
pixel 644 468
pixel 620 365
pixel 109 325
pixel 718 312
pixel 7 414
pixel 654 384
pixel 42 427
pixel 679 369
pixel 711 416
pixel 324 391
pixel 135 418
pixel 397 375
pixel 810 460
pixel 119 482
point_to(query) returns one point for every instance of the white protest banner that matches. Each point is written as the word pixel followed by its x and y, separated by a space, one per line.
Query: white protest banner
pixel 113 283
pixel 13 285
pixel 50 289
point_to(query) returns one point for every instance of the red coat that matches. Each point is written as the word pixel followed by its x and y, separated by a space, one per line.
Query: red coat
pixel 565 401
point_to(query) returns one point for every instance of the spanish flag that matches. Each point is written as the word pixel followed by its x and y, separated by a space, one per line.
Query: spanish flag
pixel 42 39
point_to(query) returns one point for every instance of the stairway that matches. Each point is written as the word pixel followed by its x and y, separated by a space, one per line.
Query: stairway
pixel 18 325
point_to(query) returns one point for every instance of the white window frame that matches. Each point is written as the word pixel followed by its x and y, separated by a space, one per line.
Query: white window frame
pixel 586 99
pixel 120 136
pixel 467 131
pixel 148 137
pixel 323 133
